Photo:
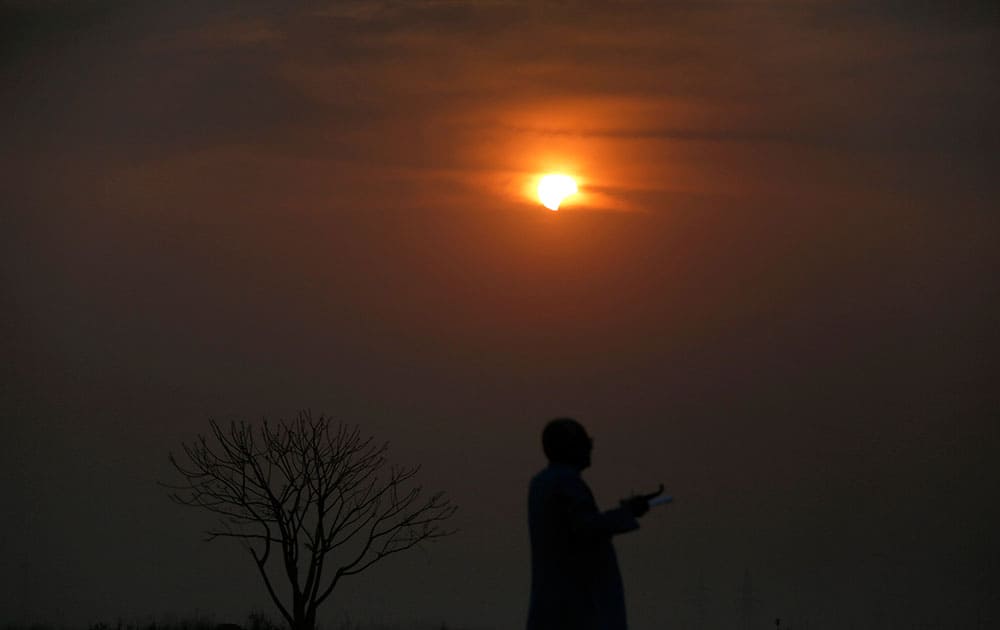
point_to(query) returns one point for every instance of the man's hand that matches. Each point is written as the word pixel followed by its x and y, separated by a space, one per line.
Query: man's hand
pixel 637 505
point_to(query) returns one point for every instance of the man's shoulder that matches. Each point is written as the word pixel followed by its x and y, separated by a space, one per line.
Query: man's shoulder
pixel 556 475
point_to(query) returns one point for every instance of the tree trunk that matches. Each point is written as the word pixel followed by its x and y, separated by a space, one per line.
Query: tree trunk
pixel 305 619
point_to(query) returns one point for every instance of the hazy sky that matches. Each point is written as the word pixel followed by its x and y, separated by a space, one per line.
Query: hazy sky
pixel 776 293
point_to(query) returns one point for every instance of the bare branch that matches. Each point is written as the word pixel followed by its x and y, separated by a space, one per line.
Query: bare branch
pixel 309 486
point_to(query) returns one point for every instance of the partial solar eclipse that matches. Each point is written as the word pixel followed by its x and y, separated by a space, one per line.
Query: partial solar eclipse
pixel 552 189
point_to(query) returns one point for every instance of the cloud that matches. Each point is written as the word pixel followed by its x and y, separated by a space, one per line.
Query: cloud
pixel 224 34
pixel 510 87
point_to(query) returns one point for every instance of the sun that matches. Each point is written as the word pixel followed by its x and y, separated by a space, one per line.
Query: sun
pixel 552 189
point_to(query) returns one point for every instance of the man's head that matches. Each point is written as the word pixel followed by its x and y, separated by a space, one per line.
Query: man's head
pixel 565 441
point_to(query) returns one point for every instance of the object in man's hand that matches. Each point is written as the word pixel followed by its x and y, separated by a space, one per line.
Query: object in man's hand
pixel 640 503
pixel 661 500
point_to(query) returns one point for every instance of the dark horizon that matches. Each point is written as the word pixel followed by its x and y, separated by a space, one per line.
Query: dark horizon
pixel 776 293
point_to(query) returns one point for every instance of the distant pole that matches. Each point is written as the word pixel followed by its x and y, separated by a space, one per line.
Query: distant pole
pixel 880 609
pixel 24 593
pixel 747 601
pixel 700 601
pixel 746 597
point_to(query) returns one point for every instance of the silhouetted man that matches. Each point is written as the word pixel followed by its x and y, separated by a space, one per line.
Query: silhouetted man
pixel 575 582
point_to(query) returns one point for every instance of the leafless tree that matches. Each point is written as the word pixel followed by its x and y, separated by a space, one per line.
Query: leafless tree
pixel 315 491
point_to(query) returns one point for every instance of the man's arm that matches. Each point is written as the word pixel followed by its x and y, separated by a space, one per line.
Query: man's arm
pixel 586 521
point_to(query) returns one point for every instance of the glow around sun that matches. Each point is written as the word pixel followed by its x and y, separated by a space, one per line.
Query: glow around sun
pixel 552 189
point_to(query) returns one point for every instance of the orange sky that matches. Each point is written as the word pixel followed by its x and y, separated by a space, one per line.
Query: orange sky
pixel 775 291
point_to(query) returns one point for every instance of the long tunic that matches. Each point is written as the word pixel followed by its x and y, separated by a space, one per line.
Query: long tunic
pixel 575 581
